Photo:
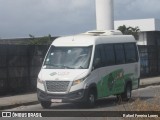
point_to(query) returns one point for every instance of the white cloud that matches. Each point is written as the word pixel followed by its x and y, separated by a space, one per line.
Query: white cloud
pixel 130 9
pixel 18 18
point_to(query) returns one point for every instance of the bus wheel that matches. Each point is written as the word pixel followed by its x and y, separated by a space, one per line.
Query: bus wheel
pixel 91 98
pixel 127 93
pixel 45 104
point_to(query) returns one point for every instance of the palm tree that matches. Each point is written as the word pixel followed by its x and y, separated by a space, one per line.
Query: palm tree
pixel 129 31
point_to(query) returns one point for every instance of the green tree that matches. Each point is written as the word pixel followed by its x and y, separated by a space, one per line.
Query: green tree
pixel 46 40
pixel 129 31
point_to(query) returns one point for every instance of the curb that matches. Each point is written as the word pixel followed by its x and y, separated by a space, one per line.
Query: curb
pixel 151 84
pixel 18 105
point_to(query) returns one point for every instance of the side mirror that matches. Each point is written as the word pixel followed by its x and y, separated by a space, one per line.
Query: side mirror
pixel 97 63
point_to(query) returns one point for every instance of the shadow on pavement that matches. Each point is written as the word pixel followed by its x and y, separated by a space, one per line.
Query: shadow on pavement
pixel 104 103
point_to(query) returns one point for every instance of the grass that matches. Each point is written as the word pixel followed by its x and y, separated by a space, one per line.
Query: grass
pixel 140 105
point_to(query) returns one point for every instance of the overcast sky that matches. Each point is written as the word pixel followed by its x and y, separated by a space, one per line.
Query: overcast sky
pixel 19 18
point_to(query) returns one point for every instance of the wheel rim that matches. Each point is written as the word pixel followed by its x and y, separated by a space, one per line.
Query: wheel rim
pixel 91 98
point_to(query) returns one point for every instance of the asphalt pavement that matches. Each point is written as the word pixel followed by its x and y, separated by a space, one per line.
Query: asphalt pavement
pixel 31 99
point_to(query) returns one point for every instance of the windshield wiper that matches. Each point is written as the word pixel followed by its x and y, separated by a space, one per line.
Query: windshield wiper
pixel 68 67
pixel 51 65
pixel 64 66
pixel 81 67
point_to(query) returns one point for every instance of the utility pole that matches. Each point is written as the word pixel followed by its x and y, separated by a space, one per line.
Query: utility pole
pixel 104 14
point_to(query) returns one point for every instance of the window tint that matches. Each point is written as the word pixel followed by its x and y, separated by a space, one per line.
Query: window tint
pixel 119 52
pixel 97 62
pixel 110 56
pixel 130 51
pixel 103 56
pixel 114 54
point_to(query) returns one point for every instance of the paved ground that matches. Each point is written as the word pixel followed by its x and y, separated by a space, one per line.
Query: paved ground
pixel 17 100
pixel 30 99
pixel 147 94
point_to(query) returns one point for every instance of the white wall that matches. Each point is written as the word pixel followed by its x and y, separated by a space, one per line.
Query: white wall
pixel 142 38
pixel 144 24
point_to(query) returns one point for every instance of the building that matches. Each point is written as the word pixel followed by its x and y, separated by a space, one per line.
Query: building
pixel 149 42
pixel 149 30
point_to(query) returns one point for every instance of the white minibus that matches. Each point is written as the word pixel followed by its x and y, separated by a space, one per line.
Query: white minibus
pixel 88 67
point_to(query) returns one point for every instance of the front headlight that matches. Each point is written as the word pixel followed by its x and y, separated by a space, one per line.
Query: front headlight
pixel 39 80
pixel 76 82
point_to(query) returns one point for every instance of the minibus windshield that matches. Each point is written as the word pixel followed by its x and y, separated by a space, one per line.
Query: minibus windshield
pixel 68 58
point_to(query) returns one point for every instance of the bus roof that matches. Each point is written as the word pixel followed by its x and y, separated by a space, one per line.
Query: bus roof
pixel 90 39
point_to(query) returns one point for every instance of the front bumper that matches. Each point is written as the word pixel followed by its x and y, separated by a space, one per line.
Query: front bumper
pixel 76 96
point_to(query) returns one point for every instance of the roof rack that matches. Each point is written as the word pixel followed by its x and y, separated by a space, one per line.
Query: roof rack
pixel 103 33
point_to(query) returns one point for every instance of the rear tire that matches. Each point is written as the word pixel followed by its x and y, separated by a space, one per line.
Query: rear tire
pixel 127 93
pixel 45 104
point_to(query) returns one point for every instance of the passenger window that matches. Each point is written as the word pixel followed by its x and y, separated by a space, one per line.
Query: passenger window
pixel 119 52
pixel 97 62
pixel 110 56
pixel 103 56
pixel 130 51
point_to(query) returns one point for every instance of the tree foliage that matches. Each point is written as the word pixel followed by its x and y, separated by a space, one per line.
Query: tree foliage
pixel 129 31
pixel 46 40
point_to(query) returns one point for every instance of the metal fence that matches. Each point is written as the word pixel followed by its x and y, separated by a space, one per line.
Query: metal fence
pixel 20 64
pixel 150 60
pixel 19 67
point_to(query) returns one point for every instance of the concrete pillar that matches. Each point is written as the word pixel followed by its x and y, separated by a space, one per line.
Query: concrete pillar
pixel 104 14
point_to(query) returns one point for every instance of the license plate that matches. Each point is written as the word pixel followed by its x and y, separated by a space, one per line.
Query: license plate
pixel 56 100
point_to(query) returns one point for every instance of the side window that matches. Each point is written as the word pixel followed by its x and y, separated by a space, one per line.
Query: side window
pixel 97 62
pixel 131 52
pixel 103 55
pixel 119 52
pixel 110 56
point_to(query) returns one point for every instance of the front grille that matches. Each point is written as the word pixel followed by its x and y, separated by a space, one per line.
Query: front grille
pixel 57 86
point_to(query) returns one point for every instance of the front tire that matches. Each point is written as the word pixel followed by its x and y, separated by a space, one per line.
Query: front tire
pixel 45 104
pixel 91 99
